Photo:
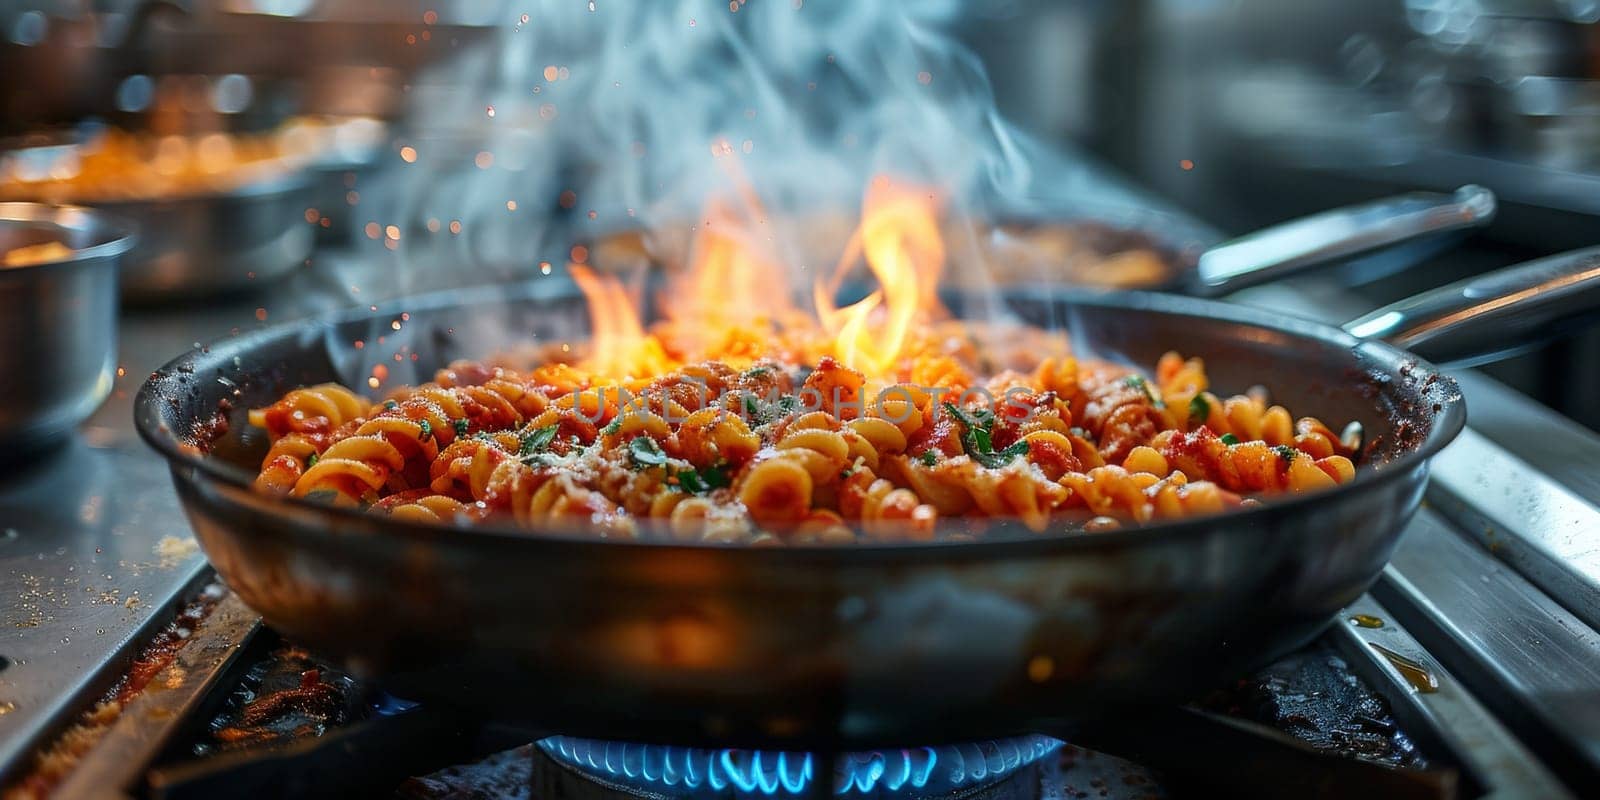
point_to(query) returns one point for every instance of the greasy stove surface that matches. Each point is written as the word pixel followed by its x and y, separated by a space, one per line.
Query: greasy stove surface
pixel 1307 723
pixel 95 553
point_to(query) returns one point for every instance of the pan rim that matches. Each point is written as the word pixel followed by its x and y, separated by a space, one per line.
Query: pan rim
pixel 1448 421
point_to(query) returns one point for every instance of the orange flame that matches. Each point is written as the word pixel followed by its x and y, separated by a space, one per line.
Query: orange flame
pixel 732 302
pixel 619 346
pixel 731 281
pixel 899 236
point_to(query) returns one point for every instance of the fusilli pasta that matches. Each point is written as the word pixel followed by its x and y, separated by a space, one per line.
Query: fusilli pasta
pixel 778 454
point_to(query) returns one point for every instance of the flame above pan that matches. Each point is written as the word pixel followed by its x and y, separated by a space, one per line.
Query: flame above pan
pixel 732 303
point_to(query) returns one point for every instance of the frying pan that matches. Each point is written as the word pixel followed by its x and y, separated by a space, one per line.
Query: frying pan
pixel 853 646
pixel 1410 227
pixel 1407 227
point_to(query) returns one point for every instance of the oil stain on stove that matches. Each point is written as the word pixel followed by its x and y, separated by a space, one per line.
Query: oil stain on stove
pixel 283 697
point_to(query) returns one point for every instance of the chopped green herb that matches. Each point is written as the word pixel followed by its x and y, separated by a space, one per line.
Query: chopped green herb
pixel 390 405
pixel 427 429
pixel 1138 382
pixel 613 427
pixel 536 440
pixel 1228 438
pixel 311 461
pixel 751 408
pixel 980 437
pixel 1286 452
pixel 702 481
pixel 322 495
pixel 844 474
pixel 644 452
pixel 929 457
pixel 757 372
pixel 788 403
pixel 715 477
pixel 978 442
pixel 689 481
pixel 1199 409
pixel 966 419
pixel 1003 457
pixel 461 426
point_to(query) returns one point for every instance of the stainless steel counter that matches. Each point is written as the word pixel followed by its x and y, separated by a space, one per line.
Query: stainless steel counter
pixel 94 548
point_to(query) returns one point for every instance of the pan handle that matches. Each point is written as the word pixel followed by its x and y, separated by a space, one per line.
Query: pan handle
pixel 1492 316
pixel 1282 250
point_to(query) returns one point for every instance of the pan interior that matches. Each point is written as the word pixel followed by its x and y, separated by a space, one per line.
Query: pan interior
pixel 194 409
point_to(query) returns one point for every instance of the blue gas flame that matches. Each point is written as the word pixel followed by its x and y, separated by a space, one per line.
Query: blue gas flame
pixel 922 770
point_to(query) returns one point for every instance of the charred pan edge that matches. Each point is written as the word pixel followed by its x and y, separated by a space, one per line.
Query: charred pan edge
pixel 1409 391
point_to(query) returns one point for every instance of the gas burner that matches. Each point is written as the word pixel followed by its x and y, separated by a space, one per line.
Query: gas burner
pixel 916 772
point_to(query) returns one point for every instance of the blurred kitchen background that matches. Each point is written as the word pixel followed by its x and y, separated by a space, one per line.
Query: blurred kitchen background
pixel 1247 112
pixel 1239 112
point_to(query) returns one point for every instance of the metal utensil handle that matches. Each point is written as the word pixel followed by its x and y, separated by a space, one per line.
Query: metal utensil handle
pixel 1285 249
pixel 1491 316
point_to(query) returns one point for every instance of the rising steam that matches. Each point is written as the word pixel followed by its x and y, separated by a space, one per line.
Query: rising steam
pixel 627 109
pixel 581 119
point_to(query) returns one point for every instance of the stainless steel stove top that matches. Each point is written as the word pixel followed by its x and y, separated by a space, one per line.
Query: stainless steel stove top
pixel 1487 650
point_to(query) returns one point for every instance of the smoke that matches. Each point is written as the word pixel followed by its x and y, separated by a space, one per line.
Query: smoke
pixel 576 120
pixel 582 118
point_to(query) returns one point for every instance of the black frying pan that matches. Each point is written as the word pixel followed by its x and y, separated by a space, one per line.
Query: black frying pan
pixel 838 646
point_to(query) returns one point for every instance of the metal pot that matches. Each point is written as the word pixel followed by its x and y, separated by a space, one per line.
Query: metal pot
pixel 204 243
pixel 58 320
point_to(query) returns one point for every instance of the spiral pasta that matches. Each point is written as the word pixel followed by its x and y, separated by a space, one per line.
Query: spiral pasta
pixel 771 453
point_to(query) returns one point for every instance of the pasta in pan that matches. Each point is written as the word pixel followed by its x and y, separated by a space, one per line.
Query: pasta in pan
pixel 737 417
pixel 770 453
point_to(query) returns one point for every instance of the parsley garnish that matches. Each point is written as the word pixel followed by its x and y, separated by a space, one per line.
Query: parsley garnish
pixel 1199 409
pixel 427 429
pixel 1286 452
pixel 978 442
pixel 322 495
pixel 788 403
pixel 973 420
pixel 311 461
pixel 757 372
pixel 1138 382
pixel 390 405
pixel 751 407
pixel 1002 457
pixel 536 440
pixel 702 481
pixel 613 427
pixel 1228 438
pixel 644 452
pixel 928 457
pixel 461 426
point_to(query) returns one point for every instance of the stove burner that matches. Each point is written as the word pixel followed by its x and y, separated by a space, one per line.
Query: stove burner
pixel 916 771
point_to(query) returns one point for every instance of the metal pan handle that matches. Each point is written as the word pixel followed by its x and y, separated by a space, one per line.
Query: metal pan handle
pixel 1492 316
pixel 1282 250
